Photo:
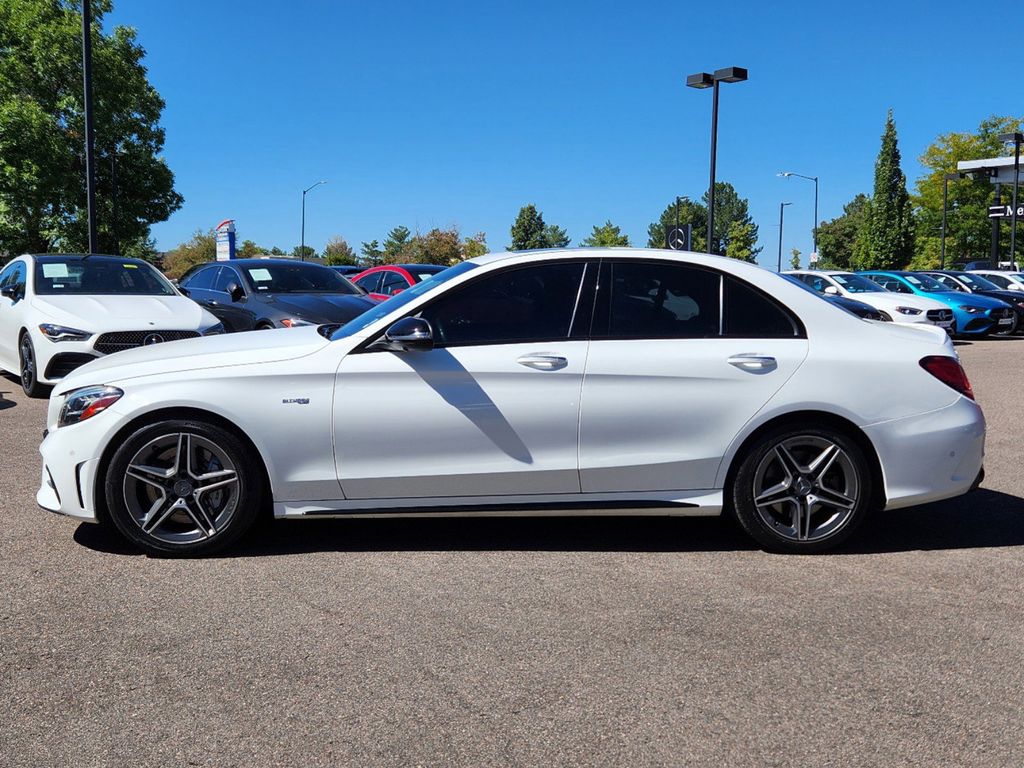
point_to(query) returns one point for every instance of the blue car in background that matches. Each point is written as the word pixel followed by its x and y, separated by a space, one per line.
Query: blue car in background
pixel 973 315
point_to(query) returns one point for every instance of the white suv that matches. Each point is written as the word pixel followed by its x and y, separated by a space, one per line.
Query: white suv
pixel 899 307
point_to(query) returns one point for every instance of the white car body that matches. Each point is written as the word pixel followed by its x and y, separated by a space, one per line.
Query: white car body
pixel 649 426
pixel 1010 281
pixel 900 307
pixel 153 318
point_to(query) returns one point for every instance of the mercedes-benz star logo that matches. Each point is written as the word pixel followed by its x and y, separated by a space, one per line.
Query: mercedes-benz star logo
pixel 152 338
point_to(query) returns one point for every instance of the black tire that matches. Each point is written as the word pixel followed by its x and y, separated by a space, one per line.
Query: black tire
pixel 1011 330
pixel 27 368
pixel 829 523
pixel 191 510
pixel 264 326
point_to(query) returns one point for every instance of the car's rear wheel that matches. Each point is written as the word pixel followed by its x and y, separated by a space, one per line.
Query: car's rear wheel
pixel 29 368
pixel 802 489
pixel 184 487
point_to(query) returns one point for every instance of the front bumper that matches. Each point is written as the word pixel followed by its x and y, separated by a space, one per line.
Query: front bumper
pixel 931 456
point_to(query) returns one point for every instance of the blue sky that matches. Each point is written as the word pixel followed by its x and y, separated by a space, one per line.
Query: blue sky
pixel 433 114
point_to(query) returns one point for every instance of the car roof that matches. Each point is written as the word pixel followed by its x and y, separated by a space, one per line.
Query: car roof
pixel 258 262
pixel 49 258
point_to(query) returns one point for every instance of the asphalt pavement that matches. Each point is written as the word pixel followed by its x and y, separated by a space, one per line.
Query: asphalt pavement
pixel 479 642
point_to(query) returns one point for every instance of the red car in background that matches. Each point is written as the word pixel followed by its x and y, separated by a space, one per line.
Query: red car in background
pixel 385 281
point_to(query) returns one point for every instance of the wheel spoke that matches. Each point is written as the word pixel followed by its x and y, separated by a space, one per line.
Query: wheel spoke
pixel 801 520
pixel 218 479
pixel 206 529
pixel 789 464
pixel 154 476
pixel 206 523
pixel 183 454
pixel 823 462
pixel 775 495
pixel 831 498
pixel 153 522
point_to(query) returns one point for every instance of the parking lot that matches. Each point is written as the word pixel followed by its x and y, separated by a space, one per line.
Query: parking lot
pixel 569 641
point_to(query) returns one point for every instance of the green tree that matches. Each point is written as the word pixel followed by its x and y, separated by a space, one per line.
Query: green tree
pixel 371 254
pixel 396 244
pixel 890 236
pixel 338 252
pixel 689 212
pixel 740 241
pixel 837 238
pixel 200 248
pixel 555 237
pixel 606 236
pixel 42 186
pixel 474 246
pixel 968 228
pixel 304 252
pixel 528 230
pixel 794 259
pixel 731 209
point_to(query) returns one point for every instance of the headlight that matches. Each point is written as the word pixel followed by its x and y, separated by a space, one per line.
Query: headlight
pixel 1020 304
pixel 214 330
pixel 62 333
pixel 908 311
pixel 294 322
pixel 972 310
pixel 84 403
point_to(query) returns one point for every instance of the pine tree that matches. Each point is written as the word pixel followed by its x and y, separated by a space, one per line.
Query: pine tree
pixel 890 237
pixel 606 236
pixel 528 230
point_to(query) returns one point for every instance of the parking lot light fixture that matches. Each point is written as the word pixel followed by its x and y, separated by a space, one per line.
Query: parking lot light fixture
pixel 782 211
pixel 814 232
pixel 702 80
pixel 302 239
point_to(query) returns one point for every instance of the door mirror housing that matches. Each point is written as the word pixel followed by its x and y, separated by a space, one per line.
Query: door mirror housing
pixel 831 290
pixel 407 335
pixel 183 291
pixel 12 292
pixel 235 292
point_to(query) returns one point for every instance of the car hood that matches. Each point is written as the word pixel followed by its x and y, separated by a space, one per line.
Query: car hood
pixel 889 301
pixel 320 307
pixel 231 349
pixel 1009 297
pixel 124 313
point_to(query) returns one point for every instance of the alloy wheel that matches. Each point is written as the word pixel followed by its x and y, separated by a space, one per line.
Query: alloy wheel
pixel 28 363
pixel 181 488
pixel 805 488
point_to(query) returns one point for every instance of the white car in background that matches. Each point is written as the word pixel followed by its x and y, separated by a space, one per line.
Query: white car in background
pixel 1008 281
pixel 60 312
pixel 588 381
pixel 900 308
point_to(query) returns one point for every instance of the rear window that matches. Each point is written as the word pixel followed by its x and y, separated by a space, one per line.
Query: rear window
pixel 99 277
pixel 747 313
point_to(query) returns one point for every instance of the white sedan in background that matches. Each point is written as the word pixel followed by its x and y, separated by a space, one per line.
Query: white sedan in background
pixel 900 308
pixel 591 381
pixel 1008 281
pixel 60 312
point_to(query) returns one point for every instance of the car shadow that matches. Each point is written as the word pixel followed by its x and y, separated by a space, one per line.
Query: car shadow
pixel 984 518
pixel 5 403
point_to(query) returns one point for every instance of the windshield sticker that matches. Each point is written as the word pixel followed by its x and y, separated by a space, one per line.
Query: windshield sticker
pixel 55 270
pixel 912 279
pixel 130 266
pixel 260 275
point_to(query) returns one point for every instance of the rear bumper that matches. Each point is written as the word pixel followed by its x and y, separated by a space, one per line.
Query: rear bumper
pixel 931 456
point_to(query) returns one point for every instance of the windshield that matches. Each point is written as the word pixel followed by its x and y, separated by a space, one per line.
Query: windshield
pixel 400 300
pixel 977 282
pixel 857 284
pixel 926 283
pixel 425 272
pixel 96 276
pixel 297 278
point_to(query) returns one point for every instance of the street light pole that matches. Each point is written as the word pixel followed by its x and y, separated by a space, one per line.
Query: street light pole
pixel 945 197
pixel 302 240
pixel 708 80
pixel 782 211
pixel 814 231
pixel 90 169
pixel 1017 139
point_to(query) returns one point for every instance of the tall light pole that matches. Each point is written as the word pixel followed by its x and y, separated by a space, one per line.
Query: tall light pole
pixel 782 211
pixel 787 174
pixel 706 80
pixel 302 241
pixel 945 197
pixel 90 162
pixel 1017 139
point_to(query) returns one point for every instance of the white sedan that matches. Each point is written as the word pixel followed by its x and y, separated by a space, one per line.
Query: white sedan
pixel 594 381
pixel 60 312
pixel 1008 281
pixel 898 307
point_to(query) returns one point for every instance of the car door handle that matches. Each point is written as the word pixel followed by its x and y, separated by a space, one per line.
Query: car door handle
pixel 543 362
pixel 753 362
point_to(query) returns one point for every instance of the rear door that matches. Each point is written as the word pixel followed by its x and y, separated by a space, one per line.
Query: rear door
pixel 681 358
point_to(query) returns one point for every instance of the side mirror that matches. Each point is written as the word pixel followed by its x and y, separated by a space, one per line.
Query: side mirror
pixel 395 291
pixel 12 292
pixel 235 292
pixel 831 290
pixel 183 291
pixel 408 334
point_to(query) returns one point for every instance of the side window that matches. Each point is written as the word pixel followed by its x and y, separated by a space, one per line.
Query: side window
pixel 6 275
pixel 818 284
pixel 20 273
pixel 747 313
pixel 370 283
pixel 527 304
pixel 224 278
pixel 201 280
pixel 658 300
pixel 889 283
pixel 392 281
pixel 950 283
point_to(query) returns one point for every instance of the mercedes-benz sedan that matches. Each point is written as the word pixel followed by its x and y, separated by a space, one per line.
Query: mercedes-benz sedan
pixel 590 381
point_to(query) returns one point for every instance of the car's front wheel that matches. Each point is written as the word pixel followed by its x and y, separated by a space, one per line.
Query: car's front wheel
pixel 802 489
pixel 29 368
pixel 184 487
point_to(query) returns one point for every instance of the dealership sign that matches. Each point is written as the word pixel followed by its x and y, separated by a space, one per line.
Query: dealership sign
pixel 1004 211
pixel 225 232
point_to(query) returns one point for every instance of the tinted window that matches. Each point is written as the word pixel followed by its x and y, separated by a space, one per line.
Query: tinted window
pixel 393 281
pixel 275 277
pixel 14 275
pixel 533 303
pixel 950 283
pixel 99 276
pixel 201 279
pixel 658 300
pixel 748 313
pixel 370 283
pixel 225 278
pixel 889 283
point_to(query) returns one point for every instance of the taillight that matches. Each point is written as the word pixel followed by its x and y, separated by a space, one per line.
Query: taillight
pixel 949 371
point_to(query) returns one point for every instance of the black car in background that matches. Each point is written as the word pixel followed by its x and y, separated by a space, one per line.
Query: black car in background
pixel 256 294
pixel 966 282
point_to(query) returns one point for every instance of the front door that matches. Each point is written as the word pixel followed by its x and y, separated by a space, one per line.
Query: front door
pixel 493 409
